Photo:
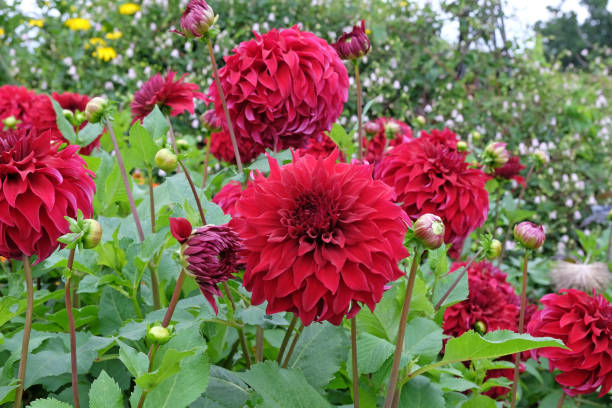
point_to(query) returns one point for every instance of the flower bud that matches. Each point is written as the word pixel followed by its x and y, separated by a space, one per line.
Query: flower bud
pixel 496 154
pixel 541 157
pixel 392 128
pixel 480 327
pixel 372 127
pixel 210 121
pixel 532 236
pixel 69 115
pixel 610 215
pixel 494 249
pixel 462 146
pixel 95 109
pixel 429 229
pixel 421 120
pixel 158 335
pixel 197 19
pixel 92 233
pixel 80 117
pixel 10 122
pixel 166 160
pixel 476 136
pixel 353 45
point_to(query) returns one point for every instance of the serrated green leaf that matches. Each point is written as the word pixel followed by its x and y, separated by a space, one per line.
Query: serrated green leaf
pixel 459 293
pixel 343 139
pixel 49 403
pixel 423 339
pixel 170 365
pixel 384 320
pixel 225 390
pixel 62 123
pixel 105 393
pixel 135 361
pixel 479 401
pixel 114 310
pixel 421 393
pixel 372 352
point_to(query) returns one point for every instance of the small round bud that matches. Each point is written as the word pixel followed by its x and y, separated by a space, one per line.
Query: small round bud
pixel 372 127
pixel 93 233
pixel 532 236
pixel 476 135
pixel 480 327
pixel 494 249
pixel 210 121
pixel 182 144
pixel 353 45
pixel 421 120
pixel 610 216
pixel 462 146
pixel 197 19
pixel 68 114
pixel 429 229
pixel 166 160
pixel 95 109
pixel 80 117
pixel 541 157
pixel 496 154
pixel 158 335
pixel 392 128
pixel 10 122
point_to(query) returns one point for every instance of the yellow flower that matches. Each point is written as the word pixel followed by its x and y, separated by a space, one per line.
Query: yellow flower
pixel 368 31
pixel 115 35
pixel 128 8
pixel 1 32
pixel 97 41
pixel 404 3
pixel 37 23
pixel 105 53
pixel 76 24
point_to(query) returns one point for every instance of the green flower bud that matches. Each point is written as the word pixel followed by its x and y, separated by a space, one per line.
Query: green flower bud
pixel 80 117
pixel 421 120
pixel 476 136
pixel 95 109
pixel 480 327
pixel 496 154
pixel 10 122
pixel 610 216
pixel 158 335
pixel 462 146
pixel 92 233
pixel 166 160
pixel 494 249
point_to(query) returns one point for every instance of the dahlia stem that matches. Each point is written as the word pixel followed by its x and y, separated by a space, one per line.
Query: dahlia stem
pixel 193 190
pixel 243 342
pixel 154 280
pixel 609 256
pixel 496 208
pixel 288 334
pixel 73 347
pixel 27 329
pixel 206 160
pixel 354 356
pixel 359 113
pixel 126 181
pixel 152 352
pixel 456 282
pixel 399 345
pixel 151 199
pixel 171 134
pixel 293 343
pixel 517 356
pixel 259 339
pixel 230 127
pixel 561 400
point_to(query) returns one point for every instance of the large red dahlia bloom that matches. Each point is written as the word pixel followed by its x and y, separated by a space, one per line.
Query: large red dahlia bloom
pixel 228 196
pixel 382 134
pixel 429 175
pixel 45 118
pixel 584 324
pixel 17 101
pixel 221 147
pixel 281 88
pixel 320 145
pixel 40 185
pixel 320 237
pixel 175 97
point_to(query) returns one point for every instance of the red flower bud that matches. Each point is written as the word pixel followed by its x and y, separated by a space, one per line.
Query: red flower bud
pixel 372 127
pixel 180 229
pixel 353 45
pixel 210 121
pixel 197 19
pixel 429 229
pixel 532 236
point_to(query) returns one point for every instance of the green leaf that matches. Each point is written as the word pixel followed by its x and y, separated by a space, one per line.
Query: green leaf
pixel 383 321
pixel 459 293
pixel 62 123
pixel 452 383
pixel 136 362
pixel 89 133
pixel 141 153
pixel 319 352
pixel 82 316
pixel 423 339
pixel 114 310
pixel 156 124
pixel 105 393
pixel 225 390
pixel 7 393
pixel 282 388
pixel 170 365
pixel 479 401
pixel 343 140
pixel 421 393
pixel 372 352
pixel 49 403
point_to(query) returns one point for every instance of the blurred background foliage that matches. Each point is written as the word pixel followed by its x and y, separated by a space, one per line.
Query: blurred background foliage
pixel 552 93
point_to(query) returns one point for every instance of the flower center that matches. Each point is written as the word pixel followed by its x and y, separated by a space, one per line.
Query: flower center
pixel 314 216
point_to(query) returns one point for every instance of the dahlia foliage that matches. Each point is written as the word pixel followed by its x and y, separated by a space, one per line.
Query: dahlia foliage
pixel 321 238
pixel 584 324
pixel 429 175
pixel 281 88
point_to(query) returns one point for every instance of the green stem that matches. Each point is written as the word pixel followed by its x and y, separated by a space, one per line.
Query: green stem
pixel 193 190
pixel 288 334
pixel 206 160
pixel 134 299
pixel 561 400
pixel 359 112
pixel 73 347
pixel 293 343
pixel 243 342
pixel 354 359
pixel 152 267
pixel 259 340
pixel 521 328
pixel 456 282
pixel 171 134
pixel 609 256
pixel 27 329
pixel 401 331
pixel 143 396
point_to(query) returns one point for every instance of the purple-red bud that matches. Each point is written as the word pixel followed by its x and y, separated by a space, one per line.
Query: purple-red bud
pixel 197 19
pixel 180 228
pixel 429 229
pixel 210 121
pixel 532 236
pixel 353 45
pixel 372 127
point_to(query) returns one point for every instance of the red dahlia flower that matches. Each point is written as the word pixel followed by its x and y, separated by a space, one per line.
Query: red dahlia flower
pixel 212 253
pixel 228 196
pixel 45 118
pixel 584 324
pixel 281 88
pixel 320 237
pixel 429 175
pixel 320 145
pixel 382 134
pixel 175 97
pixel 511 171
pixel 221 147
pixel 40 186
pixel 17 101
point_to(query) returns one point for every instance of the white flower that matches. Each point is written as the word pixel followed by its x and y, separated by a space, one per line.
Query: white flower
pixel 174 53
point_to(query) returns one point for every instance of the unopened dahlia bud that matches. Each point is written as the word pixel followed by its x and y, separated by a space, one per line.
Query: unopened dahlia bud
pixel 10 122
pixel 92 233
pixel 462 146
pixel 541 157
pixel 480 327
pixel 353 45
pixel 372 127
pixel 158 335
pixel 69 115
pixel 496 154
pixel 532 236
pixel 610 216
pixel 494 249
pixel 95 109
pixel 210 121
pixel 429 229
pixel 421 120
pixel 392 128
pixel 180 228
pixel 197 19
pixel 80 117
pixel 476 135
pixel 166 160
